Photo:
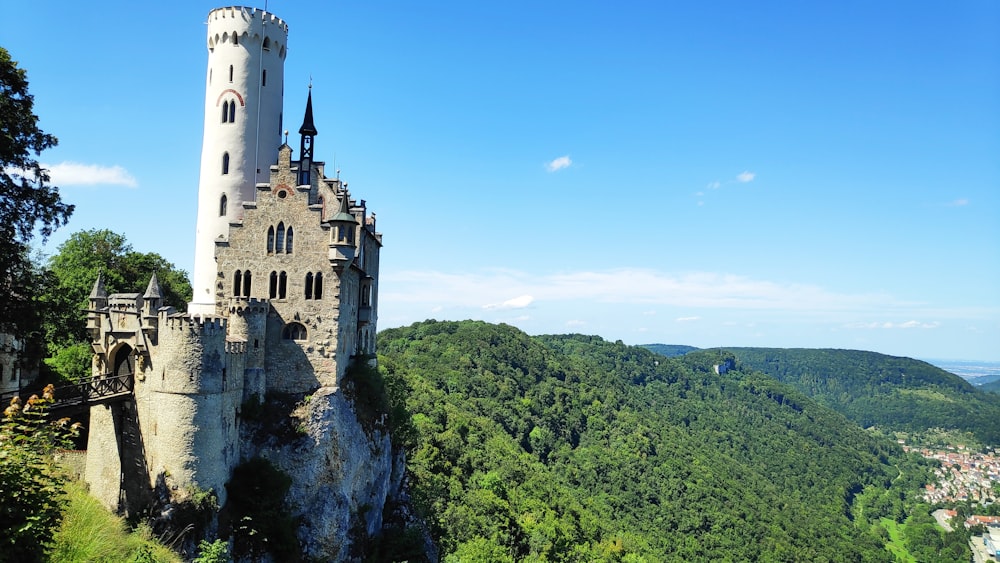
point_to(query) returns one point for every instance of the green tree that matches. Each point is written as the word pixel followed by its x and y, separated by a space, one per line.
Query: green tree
pixel 28 203
pixel 31 486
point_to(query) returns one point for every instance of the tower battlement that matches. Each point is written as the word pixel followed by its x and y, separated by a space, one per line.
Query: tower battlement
pixel 246 14
pixel 206 325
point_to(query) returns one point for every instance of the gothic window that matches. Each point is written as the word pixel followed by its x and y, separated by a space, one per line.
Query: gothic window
pixel 230 73
pixel 270 239
pixel 279 245
pixel 246 283
pixel 318 286
pixel 237 283
pixel 225 163
pixel 288 240
pixel 225 111
pixel 223 202
pixel 232 111
pixel 272 291
pixel 366 295
pixel 294 331
pixel 282 285
pixel 309 285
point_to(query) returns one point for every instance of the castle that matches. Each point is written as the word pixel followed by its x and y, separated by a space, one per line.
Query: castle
pixel 285 287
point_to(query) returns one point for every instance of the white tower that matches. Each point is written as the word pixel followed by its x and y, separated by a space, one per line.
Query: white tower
pixel 243 101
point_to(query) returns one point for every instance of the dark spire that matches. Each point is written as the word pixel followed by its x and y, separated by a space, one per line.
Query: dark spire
pixel 153 291
pixel 99 292
pixel 308 128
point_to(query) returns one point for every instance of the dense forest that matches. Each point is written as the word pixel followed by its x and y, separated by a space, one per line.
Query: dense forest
pixel 568 448
pixel 888 392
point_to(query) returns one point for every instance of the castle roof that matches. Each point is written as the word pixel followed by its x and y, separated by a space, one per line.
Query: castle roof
pixel 344 213
pixel 308 128
pixel 153 291
pixel 99 292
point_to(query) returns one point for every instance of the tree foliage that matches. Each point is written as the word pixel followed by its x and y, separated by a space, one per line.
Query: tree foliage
pixel 27 201
pixel 31 486
pixel 892 393
pixel 570 448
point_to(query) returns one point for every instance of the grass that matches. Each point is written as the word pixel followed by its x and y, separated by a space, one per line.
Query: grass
pixel 89 532
pixel 895 543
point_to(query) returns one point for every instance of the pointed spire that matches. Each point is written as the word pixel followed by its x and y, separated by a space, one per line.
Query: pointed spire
pixel 308 128
pixel 99 292
pixel 153 291
pixel 344 213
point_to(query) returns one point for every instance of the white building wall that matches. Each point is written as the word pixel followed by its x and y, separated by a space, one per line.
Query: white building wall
pixel 236 40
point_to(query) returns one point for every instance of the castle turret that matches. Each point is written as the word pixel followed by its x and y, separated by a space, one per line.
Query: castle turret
pixel 308 132
pixel 151 302
pixel 243 101
pixel 342 235
pixel 97 301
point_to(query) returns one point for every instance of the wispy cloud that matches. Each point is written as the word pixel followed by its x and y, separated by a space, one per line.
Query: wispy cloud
pixel 515 303
pixel 559 163
pixel 78 174
pixel 687 319
pixel 745 176
pixel 713 185
pixel 894 325
pixel 959 202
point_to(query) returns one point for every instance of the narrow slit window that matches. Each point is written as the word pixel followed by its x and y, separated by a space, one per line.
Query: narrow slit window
pixel 225 163
pixel 263 77
pixel 246 283
pixel 282 285
pixel 270 239
pixel 237 283
pixel 318 286
pixel 309 285
pixel 230 73
pixel 272 290
pixel 225 112
pixel 223 204
pixel 232 111
pixel 288 240
pixel 279 243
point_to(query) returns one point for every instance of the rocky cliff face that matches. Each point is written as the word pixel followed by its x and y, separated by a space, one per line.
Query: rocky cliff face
pixel 342 473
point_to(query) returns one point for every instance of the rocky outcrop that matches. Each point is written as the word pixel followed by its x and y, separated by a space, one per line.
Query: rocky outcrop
pixel 342 473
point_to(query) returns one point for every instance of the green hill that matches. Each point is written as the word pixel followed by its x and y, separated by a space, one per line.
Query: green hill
pixel 889 392
pixel 669 350
pixel 571 448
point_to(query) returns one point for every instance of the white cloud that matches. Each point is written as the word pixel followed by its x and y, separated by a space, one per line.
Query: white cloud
pixel 713 186
pixel 687 319
pixel 959 202
pixel 78 174
pixel 515 303
pixel 745 177
pixel 559 163
pixel 892 325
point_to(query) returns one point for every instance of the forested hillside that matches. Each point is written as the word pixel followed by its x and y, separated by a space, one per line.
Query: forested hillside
pixel 570 448
pixel 889 392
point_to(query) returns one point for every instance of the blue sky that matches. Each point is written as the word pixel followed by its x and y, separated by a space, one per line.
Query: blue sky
pixel 705 173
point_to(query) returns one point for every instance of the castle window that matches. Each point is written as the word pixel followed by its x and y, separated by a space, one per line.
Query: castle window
pixel 267 43
pixel 270 239
pixel 223 202
pixel 366 295
pixel 309 285
pixel 318 286
pixel 225 111
pixel 282 285
pixel 232 111
pixel 263 77
pixel 246 283
pixel 273 286
pixel 288 240
pixel 225 163
pixel 236 39
pixel 294 331
pixel 209 74
pixel 230 73
pixel 237 283
pixel 279 245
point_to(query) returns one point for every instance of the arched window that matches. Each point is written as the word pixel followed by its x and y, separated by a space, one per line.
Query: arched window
pixel 225 163
pixel 272 290
pixel 232 111
pixel 223 203
pixel 246 283
pixel 279 243
pixel 225 111
pixel 294 331
pixel 270 239
pixel 267 43
pixel 282 285
pixel 237 283
pixel 288 240
pixel 318 286
pixel 230 73
pixel 236 39
pixel 309 285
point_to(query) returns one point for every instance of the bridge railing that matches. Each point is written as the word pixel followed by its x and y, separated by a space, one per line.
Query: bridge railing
pixel 90 390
